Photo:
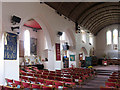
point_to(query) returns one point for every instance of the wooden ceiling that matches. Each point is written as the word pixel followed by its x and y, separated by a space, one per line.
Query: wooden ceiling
pixel 93 16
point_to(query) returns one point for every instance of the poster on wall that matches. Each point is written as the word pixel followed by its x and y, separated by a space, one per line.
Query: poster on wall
pixel 10 46
pixel 58 56
pixel 72 57
pixel 33 46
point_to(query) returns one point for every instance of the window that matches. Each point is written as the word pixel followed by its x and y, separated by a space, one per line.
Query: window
pixel 62 38
pixel 115 36
pixel 91 39
pixel 46 44
pixel 109 37
pixel 83 36
pixel 27 43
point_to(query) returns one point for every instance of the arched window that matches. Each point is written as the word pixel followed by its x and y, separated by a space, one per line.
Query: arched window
pixel 27 43
pixel 91 39
pixel 83 36
pixel 115 36
pixel 62 38
pixel 109 37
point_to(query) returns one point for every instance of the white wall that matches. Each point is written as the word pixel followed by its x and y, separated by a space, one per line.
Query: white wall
pixel 101 45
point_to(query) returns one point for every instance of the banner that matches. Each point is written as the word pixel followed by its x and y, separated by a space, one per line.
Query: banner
pixel 10 46
pixel 58 56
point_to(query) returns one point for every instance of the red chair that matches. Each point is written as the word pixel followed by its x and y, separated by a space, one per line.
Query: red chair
pixel 26 85
pixel 68 76
pixel 58 84
pixel 37 75
pixel 30 74
pixel 112 80
pixel 52 74
pixel 118 85
pixel 46 87
pixel 51 77
pixel 33 72
pixel 45 73
pixel 69 82
pixel 107 88
pixel 40 81
pixel 24 73
pixel 18 84
pixel 44 76
pixel 110 84
pixel 48 82
pixel 59 79
pixel 8 88
pixel 32 80
pixel 52 71
pixel 35 86
pixel 25 79
pixel 9 82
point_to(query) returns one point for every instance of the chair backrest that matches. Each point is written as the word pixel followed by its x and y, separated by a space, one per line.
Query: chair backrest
pixel 59 84
pixel 68 80
pixel 51 77
pixel 112 80
pixel 59 78
pixel 32 80
pixel 110 84
pixel 37 75
pixel 26 85
pixel 23 73
pixel 44 76
pixel 49 82
pixel 7 88
pixel 36 86
pixel 25 78
pixel 30 74
pixel 9 81
pixel 40 80
pixel 46 88
pixel 17 82
pixel 107 88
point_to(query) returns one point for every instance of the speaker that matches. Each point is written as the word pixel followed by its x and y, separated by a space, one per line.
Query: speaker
pixel 15 19
pixel 60 33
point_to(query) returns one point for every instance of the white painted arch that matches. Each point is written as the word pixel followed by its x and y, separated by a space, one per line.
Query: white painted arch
pixel 44 25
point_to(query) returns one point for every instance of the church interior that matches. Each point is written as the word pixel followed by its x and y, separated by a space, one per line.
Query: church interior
pixel 60 45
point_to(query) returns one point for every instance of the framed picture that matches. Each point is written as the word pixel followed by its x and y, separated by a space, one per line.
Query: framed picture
pixel 72 57
pixel 33 46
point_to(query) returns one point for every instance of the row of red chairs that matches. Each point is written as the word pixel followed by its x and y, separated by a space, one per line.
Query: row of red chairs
pixel 42 84
pixel 77 79
pixel 41 80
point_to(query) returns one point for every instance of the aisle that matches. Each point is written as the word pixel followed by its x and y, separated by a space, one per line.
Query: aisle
pixel 95 83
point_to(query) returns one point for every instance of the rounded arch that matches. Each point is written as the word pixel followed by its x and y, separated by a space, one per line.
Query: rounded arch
pixel 71 37
pixel 83 49
pixel 44 25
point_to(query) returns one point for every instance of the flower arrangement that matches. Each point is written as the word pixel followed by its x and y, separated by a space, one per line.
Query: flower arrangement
pixel 90 67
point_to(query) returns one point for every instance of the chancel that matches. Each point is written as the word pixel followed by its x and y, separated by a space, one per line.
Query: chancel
pixel 60 45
